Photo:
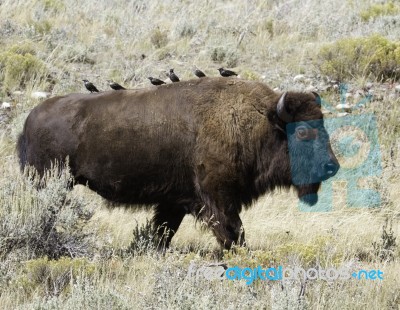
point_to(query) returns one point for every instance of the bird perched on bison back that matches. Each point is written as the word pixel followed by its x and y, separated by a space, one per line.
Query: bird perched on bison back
pixel 172 76
pixel 115 86
pixel 90 87
pixel 199 73
pixel 226 73
pixel 155 81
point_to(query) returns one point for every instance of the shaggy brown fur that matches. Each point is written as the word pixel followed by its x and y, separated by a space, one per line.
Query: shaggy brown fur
pixel 204 146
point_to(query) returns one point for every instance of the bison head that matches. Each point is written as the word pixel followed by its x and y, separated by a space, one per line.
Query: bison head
pixel 311 157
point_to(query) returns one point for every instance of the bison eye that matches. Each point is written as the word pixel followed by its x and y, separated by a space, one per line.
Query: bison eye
pixel 301 133
pixel 304 133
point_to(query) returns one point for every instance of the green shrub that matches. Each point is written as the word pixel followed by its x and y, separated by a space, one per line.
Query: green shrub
pixel 249 75
pixel 380 9
pixel 52 277
pixel 320 249
pixel 373 56
pixel 19 65
pixel 42 27
pixel 23 49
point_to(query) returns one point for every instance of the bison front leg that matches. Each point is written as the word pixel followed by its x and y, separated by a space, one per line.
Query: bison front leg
pixel 222 217
pixel 167 219
pixel 227 228
pixel 218 189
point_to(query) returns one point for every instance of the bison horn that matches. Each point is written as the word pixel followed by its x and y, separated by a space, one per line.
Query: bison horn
pixel 317 97
pixel 281 110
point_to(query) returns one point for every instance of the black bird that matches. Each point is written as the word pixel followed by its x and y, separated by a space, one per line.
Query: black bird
pixel 115 86
pixel 155 81
pixel 199 73
pixel 90 87
pixel 226 73
pixel 172 76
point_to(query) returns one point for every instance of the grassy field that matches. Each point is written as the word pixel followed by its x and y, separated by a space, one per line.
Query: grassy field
pixel 72 250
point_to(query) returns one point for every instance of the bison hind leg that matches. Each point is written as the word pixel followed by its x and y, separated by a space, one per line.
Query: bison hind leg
pixel 21 150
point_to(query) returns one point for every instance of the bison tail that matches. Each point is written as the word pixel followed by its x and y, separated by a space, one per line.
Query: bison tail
pixel 21 149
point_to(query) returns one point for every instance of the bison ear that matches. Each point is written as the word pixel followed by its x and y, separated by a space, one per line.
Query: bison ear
pixel 317 97
pixel 282 111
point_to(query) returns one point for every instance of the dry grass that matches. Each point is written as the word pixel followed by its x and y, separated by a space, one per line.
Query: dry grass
pixel 263 39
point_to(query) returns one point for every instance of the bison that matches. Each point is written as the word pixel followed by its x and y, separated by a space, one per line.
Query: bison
pixel 205 147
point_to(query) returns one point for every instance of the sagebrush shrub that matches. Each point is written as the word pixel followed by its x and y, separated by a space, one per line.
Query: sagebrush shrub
pixel 145 239
pixel 83 295
pixel 225 55
pixel 159 38
pixel 384 249
pixel 42 218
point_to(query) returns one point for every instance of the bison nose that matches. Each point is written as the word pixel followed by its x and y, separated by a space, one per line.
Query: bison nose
pixel 331 169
